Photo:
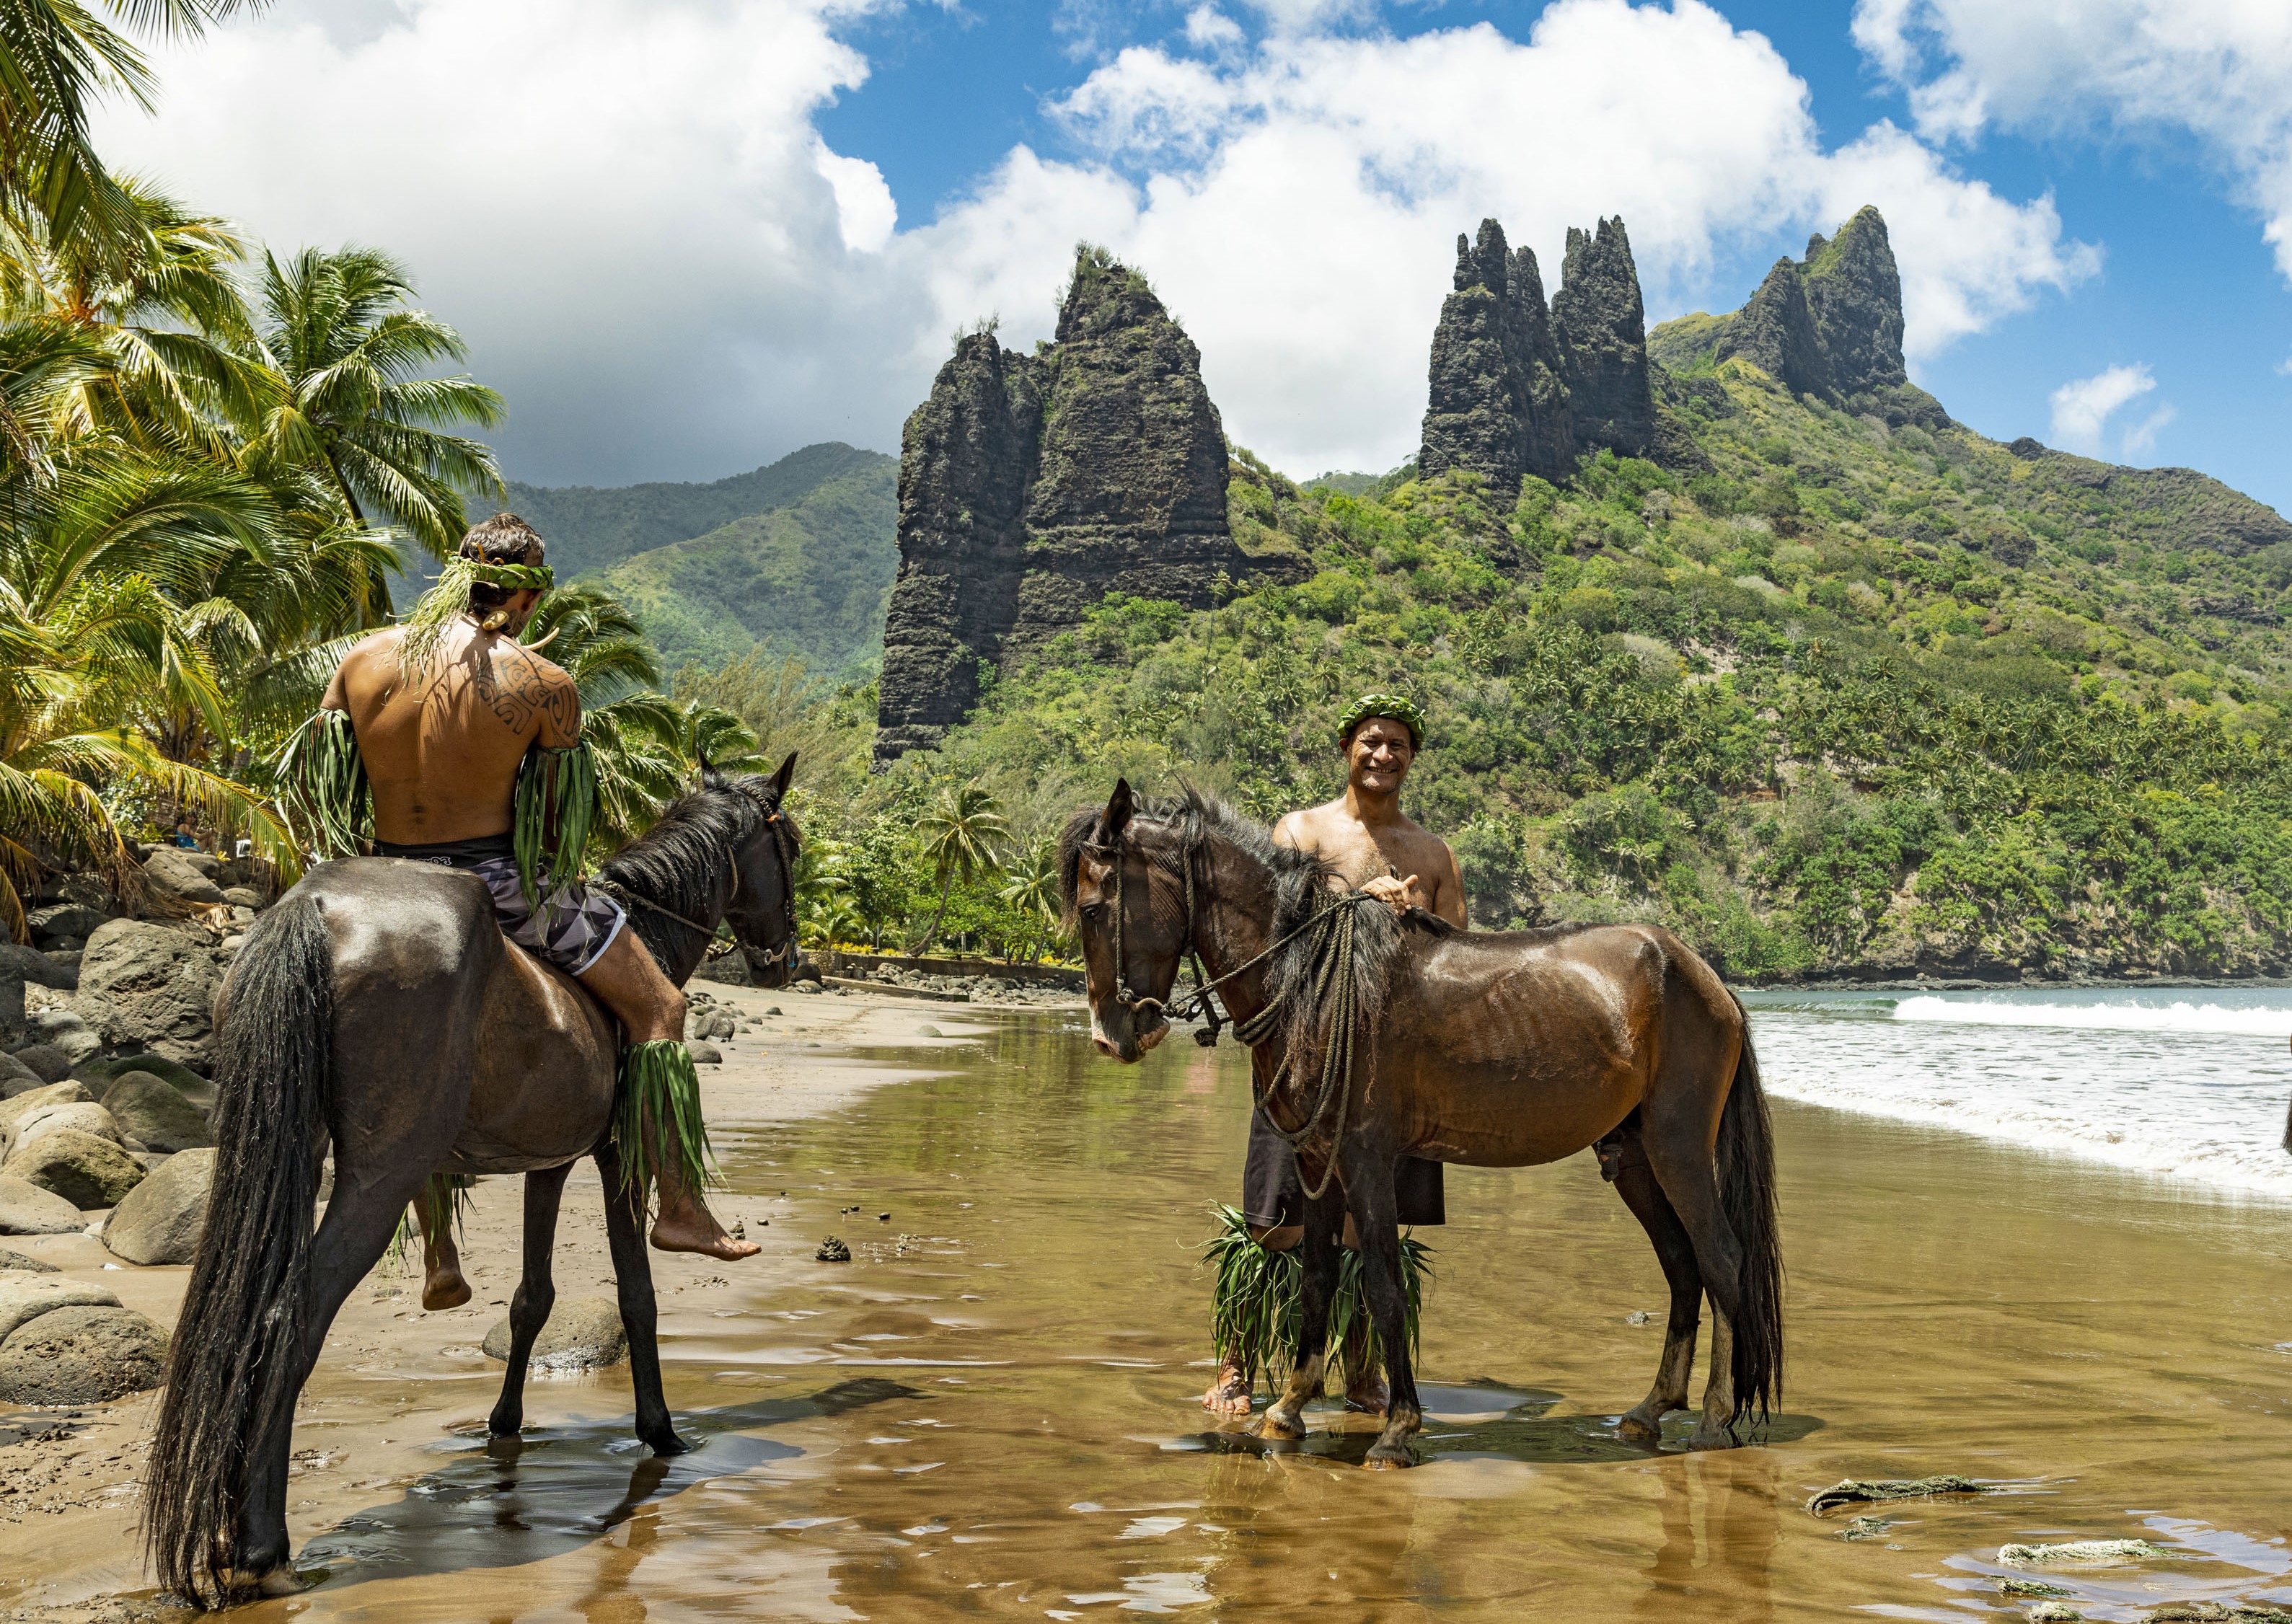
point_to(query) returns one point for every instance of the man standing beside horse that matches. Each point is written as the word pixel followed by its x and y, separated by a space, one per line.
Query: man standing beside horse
pixel 1370 846
pixel 464 734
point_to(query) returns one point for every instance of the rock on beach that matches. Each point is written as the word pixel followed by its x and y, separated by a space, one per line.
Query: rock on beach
pixel 86 1171
pixel 81 1355
pixel 45 1062
pixel 27 1209
pixel 160 1221
pixel 148 986
pixel 154 1115
pixel 188 877
pixel 583 1333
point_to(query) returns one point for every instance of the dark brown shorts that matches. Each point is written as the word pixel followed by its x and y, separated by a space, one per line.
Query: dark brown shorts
pixel 1272 1197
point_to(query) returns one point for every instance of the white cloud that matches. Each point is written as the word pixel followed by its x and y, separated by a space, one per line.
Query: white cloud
pixel 2142 436
pixel 627 208
pixel 2083 407
pixel 1297 204
pixel 2219 70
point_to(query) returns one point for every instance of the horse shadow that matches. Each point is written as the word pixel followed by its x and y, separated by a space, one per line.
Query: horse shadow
pixel 519 1500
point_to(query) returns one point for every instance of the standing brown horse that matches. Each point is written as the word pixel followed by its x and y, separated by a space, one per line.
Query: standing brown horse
pixel 376 1007
pixel 1375 1037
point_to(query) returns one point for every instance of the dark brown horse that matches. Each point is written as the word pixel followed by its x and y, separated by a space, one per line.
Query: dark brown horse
pixel 1492 1049
pixel 377 1008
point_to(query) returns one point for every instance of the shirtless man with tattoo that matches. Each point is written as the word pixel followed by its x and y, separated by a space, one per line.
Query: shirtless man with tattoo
pixel 441 753
pixel 1373 847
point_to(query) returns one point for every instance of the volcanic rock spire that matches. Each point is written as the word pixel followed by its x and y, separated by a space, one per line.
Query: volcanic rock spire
pixel 1602 329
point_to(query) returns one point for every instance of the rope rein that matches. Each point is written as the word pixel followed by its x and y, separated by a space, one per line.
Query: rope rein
pixel 720 947
pixel 1334 988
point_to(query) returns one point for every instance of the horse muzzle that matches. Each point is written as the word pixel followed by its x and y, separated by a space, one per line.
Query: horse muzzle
pixel 1127 1034
pixel 773 968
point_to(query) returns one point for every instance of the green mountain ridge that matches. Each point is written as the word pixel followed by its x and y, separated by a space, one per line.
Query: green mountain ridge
pixel 796 557
pixel 1830 692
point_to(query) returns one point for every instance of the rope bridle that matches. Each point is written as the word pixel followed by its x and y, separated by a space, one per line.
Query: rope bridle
pixel 1333 978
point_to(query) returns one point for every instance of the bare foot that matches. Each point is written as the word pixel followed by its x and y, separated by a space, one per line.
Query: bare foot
pixel 1365 1394
pixel 688 1225
pixel 1229 1395
pixel 443 1286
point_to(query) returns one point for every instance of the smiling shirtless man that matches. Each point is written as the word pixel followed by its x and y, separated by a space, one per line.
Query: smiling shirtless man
pixel 1365 837
pixel 445 710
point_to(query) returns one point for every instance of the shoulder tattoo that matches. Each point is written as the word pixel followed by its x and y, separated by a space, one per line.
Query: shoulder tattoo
pixel 516 691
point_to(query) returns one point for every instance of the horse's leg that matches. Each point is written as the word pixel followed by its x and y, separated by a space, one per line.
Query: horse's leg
pixel 1636 1181
pixel 1716 1431
pixel 640 1315
pixel 1325 1218
pixel 1678 1142
pixel 536 1296
pixel 351 1237
pixel 1369 1192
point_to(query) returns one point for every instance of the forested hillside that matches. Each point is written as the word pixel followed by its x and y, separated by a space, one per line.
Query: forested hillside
pixel 1835 697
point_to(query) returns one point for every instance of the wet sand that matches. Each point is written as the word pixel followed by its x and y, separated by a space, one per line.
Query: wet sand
pixel 991 1411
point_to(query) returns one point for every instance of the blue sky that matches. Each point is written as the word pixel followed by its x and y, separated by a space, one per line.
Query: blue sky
pixel 686 238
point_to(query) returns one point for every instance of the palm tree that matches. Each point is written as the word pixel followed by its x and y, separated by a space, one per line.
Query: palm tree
pixel 1033 889
pixel 966 838
pixel 340 395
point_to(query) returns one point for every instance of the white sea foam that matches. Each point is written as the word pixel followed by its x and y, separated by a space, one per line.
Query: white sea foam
pixel 2108 1017
pixel 2194 1090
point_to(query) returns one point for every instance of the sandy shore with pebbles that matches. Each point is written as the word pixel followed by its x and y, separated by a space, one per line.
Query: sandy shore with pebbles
pixel 394 1376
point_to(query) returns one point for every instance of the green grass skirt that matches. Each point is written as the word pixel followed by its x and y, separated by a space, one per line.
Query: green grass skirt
pixel 1257 1312
pixel 659 1087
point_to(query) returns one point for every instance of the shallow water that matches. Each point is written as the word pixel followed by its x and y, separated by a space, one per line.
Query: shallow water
pixel 995 1417
pixel 2189 1083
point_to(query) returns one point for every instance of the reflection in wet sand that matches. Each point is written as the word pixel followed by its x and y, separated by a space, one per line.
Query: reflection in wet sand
pixel 990 1412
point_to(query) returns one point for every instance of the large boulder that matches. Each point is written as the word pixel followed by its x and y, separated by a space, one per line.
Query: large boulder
pixel 14 1109
pixel 162 1218
pixel 148 986
pixel 27 1209
pixel 17 1263
pixel 99 1074
pixel 79 1116
pixel 582 1334
pixel 81 1355
pixel 154 1115
pixel 186 877
pixel 45 1062
pixel 88 1171
pixel 67 1031
pixel 243 896
pixel 75 919
pixel 23 1300
pixel 14 1072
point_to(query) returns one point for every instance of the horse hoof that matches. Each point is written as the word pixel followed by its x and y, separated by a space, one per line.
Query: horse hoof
pixel 1277 1425
pixel 1380 1458
pixel 667 1443
pixel 1713 1438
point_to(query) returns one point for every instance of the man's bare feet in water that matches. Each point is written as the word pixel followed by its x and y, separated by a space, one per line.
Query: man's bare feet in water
pixel 685 1224
pixel 1229 1395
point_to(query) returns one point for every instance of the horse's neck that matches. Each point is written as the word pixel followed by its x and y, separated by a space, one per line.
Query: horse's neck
pixel 671 945
pixel 1238 900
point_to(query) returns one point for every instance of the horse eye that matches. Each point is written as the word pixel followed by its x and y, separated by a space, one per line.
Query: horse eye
pixel 1093 910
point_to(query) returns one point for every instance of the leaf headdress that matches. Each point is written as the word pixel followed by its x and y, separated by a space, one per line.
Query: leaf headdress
pixel 425 627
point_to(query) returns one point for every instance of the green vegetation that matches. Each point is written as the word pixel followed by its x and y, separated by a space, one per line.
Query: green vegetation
pixel 1850 696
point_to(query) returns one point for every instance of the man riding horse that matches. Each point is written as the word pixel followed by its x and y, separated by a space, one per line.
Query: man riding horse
pixel 470 745
pixel 1370 846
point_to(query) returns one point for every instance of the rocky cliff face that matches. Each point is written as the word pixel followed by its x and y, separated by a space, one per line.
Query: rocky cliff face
pixel 1517 388
pixel 1829 326
pixel 1032 486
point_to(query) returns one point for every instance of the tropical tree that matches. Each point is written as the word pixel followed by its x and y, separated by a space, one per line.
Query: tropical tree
pixel 339 396
pixel 1033 890
pixel 964 838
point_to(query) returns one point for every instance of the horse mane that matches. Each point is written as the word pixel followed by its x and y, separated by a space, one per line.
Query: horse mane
pixel 680 863
pixel 1301 888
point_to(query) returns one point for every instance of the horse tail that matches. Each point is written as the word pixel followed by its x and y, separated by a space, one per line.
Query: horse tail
pixel 237 1352
pixel 1747 1194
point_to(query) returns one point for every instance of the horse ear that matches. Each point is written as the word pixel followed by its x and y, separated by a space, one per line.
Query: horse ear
pixel 783 778
pixel 1119 806
pixel 710 778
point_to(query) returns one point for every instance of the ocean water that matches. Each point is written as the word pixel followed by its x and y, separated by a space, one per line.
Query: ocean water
pixel 2190 1084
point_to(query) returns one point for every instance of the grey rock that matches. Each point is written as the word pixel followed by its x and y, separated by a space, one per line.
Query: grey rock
pixel 79 1116
pixel 45 1062
pixel 243 896
pixel 1600 327
pixel 101 1074
pixel 23 964
pixel 23 1301
pixel 14 1070
pixel 583 1333
pixel 173 872
pixel 1032 486
pixel 88 1171
pixel 82 1356
pixel 146 986
pixel 705 1054
pixel 49 1025
pixel 17 1263
pixel 160 1221
pixel 1497 405
pixel 71 1091
pixel 64 920
pixel 77 1045
pixel 25 1209
pixel 155 1114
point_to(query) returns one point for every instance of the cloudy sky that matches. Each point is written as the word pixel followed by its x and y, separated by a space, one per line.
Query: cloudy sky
pixel 687 236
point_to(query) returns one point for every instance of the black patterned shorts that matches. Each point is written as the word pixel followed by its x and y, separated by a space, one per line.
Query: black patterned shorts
pixel 570 928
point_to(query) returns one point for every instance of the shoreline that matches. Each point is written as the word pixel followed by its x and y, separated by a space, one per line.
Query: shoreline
pixel 395 1379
